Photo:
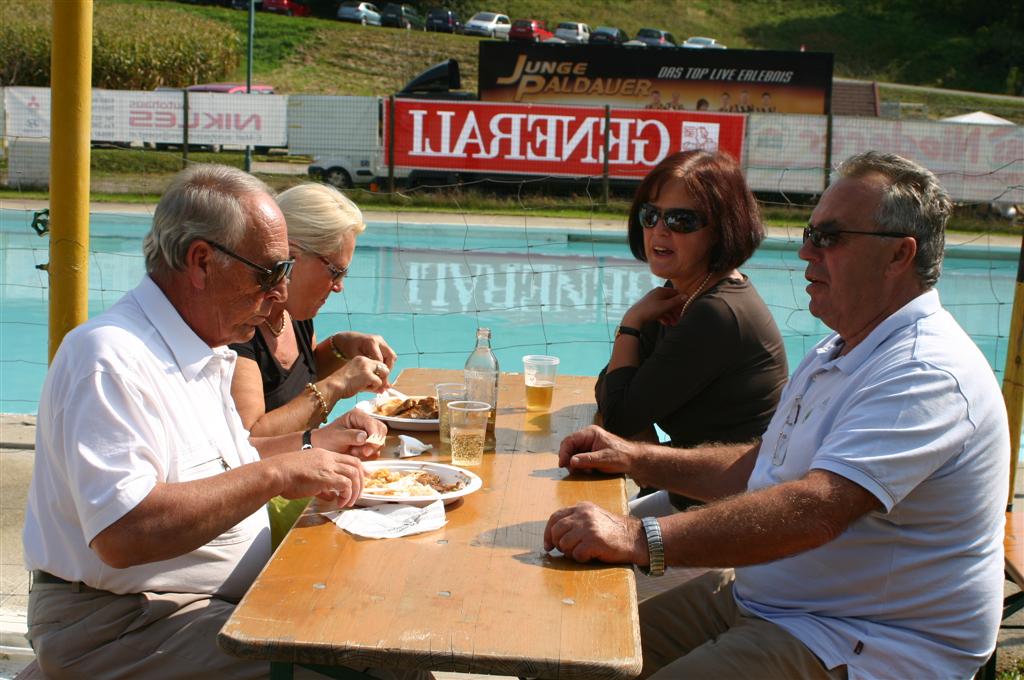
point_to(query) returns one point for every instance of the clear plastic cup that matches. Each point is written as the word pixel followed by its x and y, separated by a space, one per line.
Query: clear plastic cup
pixel 468 430
pixel 447 393
pixel 539 371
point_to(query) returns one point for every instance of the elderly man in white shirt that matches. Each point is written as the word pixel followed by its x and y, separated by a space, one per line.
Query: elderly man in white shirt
pixel 866 527
pixel 146 517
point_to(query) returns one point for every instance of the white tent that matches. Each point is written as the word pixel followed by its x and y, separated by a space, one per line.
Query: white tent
pixel 978 118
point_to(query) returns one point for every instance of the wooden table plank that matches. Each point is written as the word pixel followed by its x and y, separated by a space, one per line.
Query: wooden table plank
pixel 1013 546
pixel 478 595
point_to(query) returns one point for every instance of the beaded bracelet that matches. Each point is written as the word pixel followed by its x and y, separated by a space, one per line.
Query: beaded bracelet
pixel 324 411
pixel 335 351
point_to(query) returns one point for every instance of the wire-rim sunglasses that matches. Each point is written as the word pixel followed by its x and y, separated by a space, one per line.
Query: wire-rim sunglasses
pixel 337 273
pixel 827 239
pixel 267 278
pixel 679 220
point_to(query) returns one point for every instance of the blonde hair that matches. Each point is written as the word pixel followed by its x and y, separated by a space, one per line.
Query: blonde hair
pixel 319 217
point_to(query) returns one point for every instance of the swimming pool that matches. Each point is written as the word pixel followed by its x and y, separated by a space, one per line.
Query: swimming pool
pixel 427 287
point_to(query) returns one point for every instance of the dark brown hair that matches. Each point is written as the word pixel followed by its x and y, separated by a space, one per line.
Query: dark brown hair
pixel 715 181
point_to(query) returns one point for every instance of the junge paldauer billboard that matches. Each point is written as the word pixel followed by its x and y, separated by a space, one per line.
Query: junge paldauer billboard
pixel 729 81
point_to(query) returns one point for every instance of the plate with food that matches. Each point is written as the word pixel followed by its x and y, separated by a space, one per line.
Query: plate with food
pixel 415 483
pixel 403 412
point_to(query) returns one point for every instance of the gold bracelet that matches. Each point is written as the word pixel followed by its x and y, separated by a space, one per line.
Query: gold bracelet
pixel 324 411
pixel 335 351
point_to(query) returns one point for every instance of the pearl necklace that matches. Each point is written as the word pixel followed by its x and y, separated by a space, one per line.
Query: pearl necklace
pixel 694 294
pixel 276 332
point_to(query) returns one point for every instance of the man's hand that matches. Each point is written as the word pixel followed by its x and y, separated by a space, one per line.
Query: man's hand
pixel 319 472
pixel 360 374
pixel 594 448
pixel 587 532
pixel 350 434
pixel 372 347
pixel 661 303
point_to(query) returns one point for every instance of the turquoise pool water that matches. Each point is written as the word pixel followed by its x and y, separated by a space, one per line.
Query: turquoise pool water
pixel 427 287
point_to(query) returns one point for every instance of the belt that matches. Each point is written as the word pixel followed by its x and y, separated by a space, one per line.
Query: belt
pixel 46 577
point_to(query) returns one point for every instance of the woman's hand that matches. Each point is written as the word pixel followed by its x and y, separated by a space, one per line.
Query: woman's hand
pixel 337 435
pixel 662 304
pixel 353 344
pixel 358 375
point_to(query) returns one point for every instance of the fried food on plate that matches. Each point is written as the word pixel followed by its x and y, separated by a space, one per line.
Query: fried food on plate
pixel 417 408
pixel 385 482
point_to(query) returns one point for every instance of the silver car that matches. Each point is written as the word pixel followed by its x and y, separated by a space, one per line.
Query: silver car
pixel 573 32
pixel 489 25
pixel 365 13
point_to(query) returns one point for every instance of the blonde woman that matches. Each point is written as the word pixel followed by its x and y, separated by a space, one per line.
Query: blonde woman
pixel 285 379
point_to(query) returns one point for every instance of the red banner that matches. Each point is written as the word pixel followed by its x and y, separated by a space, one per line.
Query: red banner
pixel 569 141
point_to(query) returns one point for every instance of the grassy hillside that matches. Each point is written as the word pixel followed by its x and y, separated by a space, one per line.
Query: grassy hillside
pixel 886 40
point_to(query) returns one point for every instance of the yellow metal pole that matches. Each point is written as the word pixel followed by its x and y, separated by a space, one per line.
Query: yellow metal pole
pixel 71 120
pixel 1013 375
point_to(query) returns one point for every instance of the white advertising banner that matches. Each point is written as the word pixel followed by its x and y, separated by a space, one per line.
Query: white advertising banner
pixel 973 162
pixel 785 152
pixel 125 116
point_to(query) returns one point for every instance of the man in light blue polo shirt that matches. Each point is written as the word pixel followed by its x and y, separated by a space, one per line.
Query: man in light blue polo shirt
pixel 866 526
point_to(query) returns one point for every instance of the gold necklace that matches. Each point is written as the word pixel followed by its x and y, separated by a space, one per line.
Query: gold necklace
pixel 276 332
pixel 694 294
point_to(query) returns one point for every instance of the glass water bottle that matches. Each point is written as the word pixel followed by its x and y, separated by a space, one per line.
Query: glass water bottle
pixel 482 374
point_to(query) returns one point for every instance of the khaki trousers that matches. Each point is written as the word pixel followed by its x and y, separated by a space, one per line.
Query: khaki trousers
pixel 696 631
pixel 157 636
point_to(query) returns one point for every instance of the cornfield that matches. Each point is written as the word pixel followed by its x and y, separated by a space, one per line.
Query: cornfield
pixel 134 47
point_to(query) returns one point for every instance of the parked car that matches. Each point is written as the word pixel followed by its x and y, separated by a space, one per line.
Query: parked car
pixel 287 7
pixel 573 32
pixel 443 21
pixel 608 35
pixel 653 37
pixel 401 16
pixel 701 43
pixel 533 30
pixel 365 13
pixel 489 25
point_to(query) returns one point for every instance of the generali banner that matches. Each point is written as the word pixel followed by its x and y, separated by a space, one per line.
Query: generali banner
pixel 552 140
pixel 158 117
pixel 726 81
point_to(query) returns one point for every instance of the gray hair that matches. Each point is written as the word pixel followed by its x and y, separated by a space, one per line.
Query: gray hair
pixel 203 201
pixel 319 217
pixel 913 202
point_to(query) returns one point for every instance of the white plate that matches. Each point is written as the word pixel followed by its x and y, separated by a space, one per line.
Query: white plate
pixel 447 473
pixel 411 424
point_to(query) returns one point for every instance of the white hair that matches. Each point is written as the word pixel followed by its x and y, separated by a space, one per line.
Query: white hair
pixel 203 201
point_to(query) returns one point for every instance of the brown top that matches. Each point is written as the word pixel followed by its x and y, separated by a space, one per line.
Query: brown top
pixel 479 595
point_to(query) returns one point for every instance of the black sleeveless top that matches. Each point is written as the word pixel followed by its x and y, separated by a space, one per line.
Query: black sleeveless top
pixel 281 385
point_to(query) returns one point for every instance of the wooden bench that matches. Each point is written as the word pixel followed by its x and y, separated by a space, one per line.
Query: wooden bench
pixel 31 672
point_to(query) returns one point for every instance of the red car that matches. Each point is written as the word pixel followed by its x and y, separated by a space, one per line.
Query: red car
pixel 288 7
pixel 533 30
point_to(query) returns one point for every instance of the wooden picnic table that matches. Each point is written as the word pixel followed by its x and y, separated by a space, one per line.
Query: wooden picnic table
pixel 478 595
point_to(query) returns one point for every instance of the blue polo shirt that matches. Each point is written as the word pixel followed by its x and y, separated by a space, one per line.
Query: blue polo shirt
pixel 914 415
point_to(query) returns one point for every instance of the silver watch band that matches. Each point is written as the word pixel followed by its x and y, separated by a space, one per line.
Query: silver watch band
pixel 655 547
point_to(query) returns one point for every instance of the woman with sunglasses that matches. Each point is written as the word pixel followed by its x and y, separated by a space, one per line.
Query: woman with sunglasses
pixel 285 379
pixel 700 356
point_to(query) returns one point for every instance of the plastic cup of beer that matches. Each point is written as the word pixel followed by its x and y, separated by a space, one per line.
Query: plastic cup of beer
pixel 540 371
pixel 447 393
pixel 468 421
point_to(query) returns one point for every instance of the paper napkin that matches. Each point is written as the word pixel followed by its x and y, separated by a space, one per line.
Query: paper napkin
pixel 391 520
pixel 410 446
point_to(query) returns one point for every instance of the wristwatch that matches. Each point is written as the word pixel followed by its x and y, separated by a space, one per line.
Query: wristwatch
pixel 655 547
pixel 628 330
pixel 307 440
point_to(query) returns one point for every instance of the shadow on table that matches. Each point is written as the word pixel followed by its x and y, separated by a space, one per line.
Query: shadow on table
pixel 528 535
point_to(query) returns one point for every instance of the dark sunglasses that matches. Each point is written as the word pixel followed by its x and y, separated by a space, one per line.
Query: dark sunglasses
pixel 827 239
pixel 267 278
pixel 679 220
pixel 337 273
